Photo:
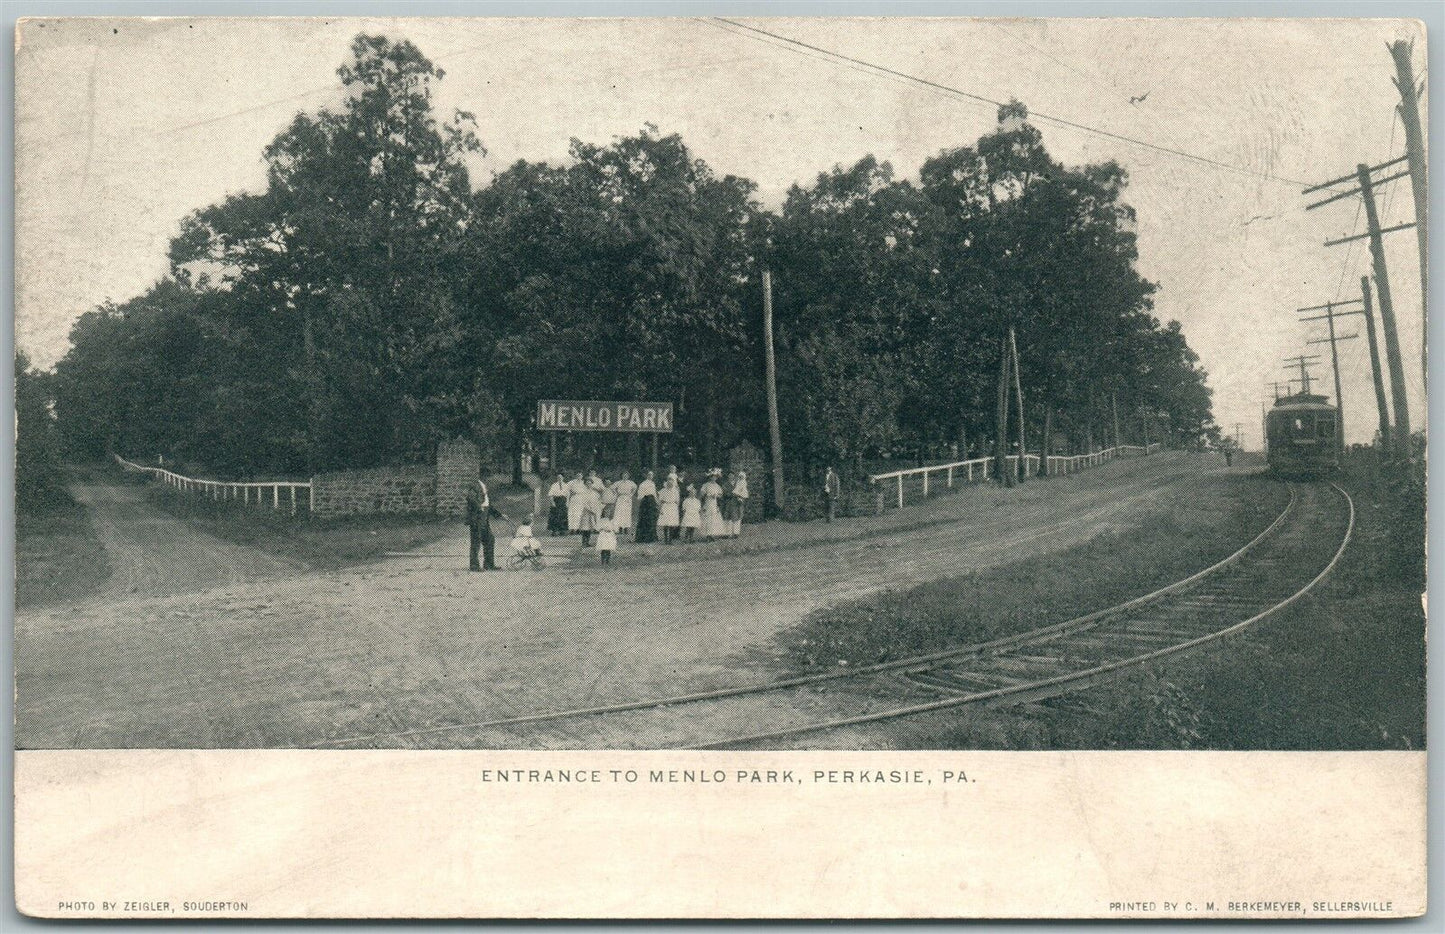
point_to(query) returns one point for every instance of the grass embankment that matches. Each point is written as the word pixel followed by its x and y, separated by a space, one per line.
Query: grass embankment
pixel 1183 536
pixel 1342 669
pixel 318 544
pixel 57 556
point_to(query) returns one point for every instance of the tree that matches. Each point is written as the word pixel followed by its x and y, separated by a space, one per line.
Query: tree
pixel 347 252
pixel 622 274
pixel 39 476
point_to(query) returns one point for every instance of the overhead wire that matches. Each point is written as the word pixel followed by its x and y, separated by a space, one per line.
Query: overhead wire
pixel 839 57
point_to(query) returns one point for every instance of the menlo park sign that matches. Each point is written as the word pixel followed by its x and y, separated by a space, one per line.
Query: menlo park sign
pixel 559 415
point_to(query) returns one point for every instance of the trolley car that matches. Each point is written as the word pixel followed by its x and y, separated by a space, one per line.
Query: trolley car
pixel 1301 434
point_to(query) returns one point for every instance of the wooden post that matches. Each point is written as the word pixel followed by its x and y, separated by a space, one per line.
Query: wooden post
pixel 1415 151
pixel 925 483
pixel 276 496
pixel 900 491
pixel 1019 400
pixel 950 476
pixel 1045 467
pixel 775 437
pixel 1375 371
pixel 655 458
pixel 1387 315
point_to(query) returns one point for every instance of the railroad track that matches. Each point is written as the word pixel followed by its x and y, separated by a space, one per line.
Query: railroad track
pixel 1272 571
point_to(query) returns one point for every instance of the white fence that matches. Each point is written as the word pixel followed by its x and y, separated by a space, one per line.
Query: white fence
pixel 277 494
pixel 981 468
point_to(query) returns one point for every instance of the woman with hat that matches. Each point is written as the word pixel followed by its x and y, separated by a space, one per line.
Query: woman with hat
pixel 712 491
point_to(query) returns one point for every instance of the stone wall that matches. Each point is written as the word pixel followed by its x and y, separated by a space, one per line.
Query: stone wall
pixel 456 470
pixel 379 489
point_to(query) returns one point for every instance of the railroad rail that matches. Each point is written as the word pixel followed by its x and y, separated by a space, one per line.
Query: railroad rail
pixel 1272 571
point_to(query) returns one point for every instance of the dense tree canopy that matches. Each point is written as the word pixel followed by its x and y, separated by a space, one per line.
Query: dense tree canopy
pixel 369 301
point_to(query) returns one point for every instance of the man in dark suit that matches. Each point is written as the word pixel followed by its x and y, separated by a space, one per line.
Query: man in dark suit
pixel 479 520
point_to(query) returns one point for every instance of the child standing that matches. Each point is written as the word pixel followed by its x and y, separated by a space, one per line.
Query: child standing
pixel 691 514
pixel 607 538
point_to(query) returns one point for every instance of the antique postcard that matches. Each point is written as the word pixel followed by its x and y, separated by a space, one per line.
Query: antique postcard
pixel 720 468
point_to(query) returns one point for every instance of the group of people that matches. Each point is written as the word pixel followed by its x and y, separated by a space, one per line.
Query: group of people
pixel 589 505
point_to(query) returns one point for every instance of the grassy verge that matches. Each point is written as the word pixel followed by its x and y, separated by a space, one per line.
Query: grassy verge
pixel 57 557
pixel 317 544
pixel 1342 669
pixel 1185 535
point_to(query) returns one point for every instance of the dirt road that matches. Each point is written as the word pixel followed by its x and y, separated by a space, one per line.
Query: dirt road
pixel 152 553
pixel 266 656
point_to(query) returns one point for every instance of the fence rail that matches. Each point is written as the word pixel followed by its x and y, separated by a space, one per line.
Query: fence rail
pixel 254 493
pixel 981 469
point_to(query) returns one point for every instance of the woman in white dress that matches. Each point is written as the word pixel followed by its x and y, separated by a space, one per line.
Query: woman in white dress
pixel 624 490
pixel 669 501
pixel 576 488
pixel 712 491
pixel 591 518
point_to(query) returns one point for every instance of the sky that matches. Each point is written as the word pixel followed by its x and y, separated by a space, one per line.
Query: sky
pixel 125 126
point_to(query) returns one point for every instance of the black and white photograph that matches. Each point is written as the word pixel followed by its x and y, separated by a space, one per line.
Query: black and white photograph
pixel 721 383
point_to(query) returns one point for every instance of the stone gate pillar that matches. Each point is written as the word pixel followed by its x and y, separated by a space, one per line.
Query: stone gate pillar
pixel 457 465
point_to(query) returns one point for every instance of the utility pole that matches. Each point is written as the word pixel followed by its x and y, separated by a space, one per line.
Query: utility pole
pixel 1387 315
pixel 1303 361
pixel 1409 109
pixel 1369 312
pixel 1000 446
pixel 775 438
pixel 1366 191
pixel 1335 363
pixel 1013 348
